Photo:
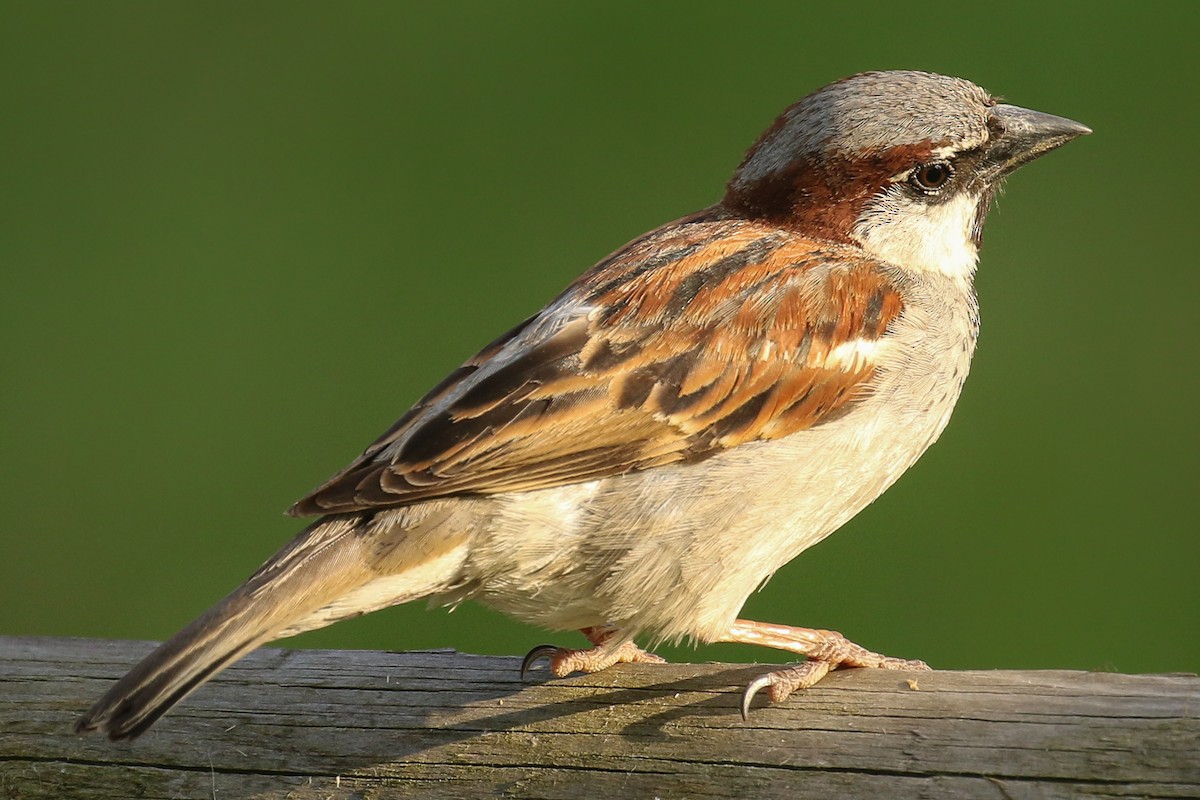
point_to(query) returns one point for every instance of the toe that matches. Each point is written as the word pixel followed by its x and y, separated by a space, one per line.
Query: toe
pixel 782 683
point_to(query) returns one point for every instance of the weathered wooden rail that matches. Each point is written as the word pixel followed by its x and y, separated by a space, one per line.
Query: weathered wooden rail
pixel 360 724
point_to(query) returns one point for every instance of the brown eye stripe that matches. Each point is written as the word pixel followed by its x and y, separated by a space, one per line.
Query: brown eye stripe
pixel 694 339
pixel 823 194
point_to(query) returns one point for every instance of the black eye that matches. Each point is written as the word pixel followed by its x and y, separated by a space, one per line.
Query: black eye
pixel 931 177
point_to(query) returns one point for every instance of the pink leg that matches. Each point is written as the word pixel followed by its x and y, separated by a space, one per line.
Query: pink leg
pixel 591 659
pixel 825 651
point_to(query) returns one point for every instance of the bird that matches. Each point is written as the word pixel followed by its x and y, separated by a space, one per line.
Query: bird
pixel 686 417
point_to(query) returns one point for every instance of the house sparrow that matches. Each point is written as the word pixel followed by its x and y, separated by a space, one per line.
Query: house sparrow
pixel 701 406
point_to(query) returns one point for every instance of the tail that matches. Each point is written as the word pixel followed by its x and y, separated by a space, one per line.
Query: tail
pixel 317 579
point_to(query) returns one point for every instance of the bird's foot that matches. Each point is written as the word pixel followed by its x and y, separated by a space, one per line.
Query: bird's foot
pixel 825 651
pixel 564 661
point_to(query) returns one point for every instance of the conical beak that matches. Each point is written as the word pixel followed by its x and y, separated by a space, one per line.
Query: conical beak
pixel 1021 135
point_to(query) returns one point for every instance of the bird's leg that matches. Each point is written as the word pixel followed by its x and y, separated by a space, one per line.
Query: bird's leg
pixel 591 659
pixel 825 651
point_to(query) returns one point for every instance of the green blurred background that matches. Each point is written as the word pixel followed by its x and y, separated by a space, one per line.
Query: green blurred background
pixel 238 239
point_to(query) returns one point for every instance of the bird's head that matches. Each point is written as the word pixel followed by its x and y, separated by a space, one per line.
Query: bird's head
pixel 903 164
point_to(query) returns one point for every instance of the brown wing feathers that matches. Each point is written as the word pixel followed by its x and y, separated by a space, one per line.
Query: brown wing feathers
pixel 694 339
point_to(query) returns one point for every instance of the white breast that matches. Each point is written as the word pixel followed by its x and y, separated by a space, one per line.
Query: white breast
pixel 676 550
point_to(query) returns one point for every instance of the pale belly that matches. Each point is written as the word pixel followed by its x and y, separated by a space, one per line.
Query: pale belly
pixel 675 552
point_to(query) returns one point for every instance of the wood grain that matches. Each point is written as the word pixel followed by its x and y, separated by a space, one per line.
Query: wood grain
pixel 363 724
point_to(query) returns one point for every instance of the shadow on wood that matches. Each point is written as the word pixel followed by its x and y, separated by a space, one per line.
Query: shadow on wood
pixel 364 724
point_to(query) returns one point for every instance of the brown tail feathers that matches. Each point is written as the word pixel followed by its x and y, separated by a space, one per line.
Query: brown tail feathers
pixel 293 587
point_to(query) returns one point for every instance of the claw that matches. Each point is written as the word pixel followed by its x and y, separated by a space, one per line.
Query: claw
pixel 547 651
pixel 756 686
pixel 593 659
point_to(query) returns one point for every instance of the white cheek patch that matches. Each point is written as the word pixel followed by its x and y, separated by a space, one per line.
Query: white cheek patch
pixel 934 237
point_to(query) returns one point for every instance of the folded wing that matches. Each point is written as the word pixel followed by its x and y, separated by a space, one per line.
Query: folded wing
pixel 694 339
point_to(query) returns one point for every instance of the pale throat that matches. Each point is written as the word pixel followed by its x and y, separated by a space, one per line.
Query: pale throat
pixel 926 237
